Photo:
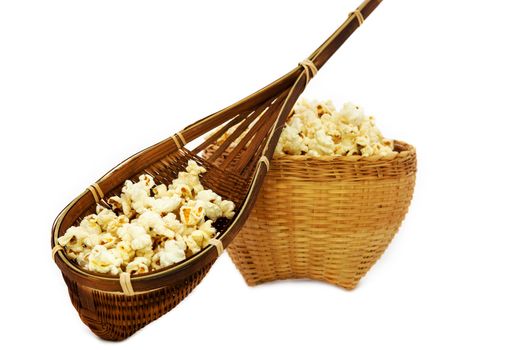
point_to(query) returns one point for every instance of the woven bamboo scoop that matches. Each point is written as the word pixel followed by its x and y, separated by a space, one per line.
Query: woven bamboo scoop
pixel 116 307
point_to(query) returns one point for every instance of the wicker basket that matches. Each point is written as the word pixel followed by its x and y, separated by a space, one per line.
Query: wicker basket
pixel 325 218
pixel 112 307
pixel 116 307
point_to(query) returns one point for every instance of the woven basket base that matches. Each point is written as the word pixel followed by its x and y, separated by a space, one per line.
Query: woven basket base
pixel 328 221
pixel 347 275
pixel 115 316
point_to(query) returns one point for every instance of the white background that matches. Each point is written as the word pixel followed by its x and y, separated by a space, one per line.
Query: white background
pixel 84 84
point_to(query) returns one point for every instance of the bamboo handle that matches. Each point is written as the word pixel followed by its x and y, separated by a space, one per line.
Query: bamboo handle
pixel 321 55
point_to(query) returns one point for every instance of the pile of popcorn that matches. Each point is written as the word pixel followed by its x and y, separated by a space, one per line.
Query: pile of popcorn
pixel 149 226
pixel 318 129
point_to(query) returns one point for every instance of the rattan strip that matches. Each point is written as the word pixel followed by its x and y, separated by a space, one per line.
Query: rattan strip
pixel 264 160
pixel 125 282
pixel 94 193
pixel 174 138
pixel 55 250
pixel 96 186
pixel 181 137
pixel 218 245
pixel 310 69
pixel 359 16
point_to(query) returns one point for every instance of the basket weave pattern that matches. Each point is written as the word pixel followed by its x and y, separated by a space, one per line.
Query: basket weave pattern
pixel 116 316
pixel 325 218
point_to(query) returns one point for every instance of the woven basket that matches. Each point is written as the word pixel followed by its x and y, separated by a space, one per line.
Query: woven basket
pixel 325 218
pixel 116 307
pixel 112 307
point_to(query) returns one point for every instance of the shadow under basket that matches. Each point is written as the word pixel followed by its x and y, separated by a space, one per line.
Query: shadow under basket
pixel 325 218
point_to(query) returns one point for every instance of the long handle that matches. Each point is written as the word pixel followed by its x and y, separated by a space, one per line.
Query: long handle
pixel 321 55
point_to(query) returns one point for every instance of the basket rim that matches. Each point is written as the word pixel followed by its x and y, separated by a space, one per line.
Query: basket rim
pixel 409 150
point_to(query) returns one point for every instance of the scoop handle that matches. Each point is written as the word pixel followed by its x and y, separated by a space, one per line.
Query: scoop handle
pixel 321 55
pixel 294 80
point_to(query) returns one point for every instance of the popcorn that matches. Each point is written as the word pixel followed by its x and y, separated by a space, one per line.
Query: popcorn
pixel 189 181
pixel 228 208
pixel 320 144
pixel 208 196
pixel 146 252
pixel 160 191
pixel 90 224
pixel 318 129
pixel 163 205
pixel 148 226
pixel 73 236
pixel 194 169
pixel 103 261
pixel 139 265
pixel 192 213
pixel 212 210
pixel 138 192
pixel 136 235
pixel 91 241
pixel 208 229
pixel 153 223
pixel 192 245
pixel 83 259
pixel 115 224
pixel 122 203
pixel 104 216
pixel 291 142
pixel 198 237
pixel 172 253
pixel 210 201
pixel 124 251
pixel 172 223
pixel 149 220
